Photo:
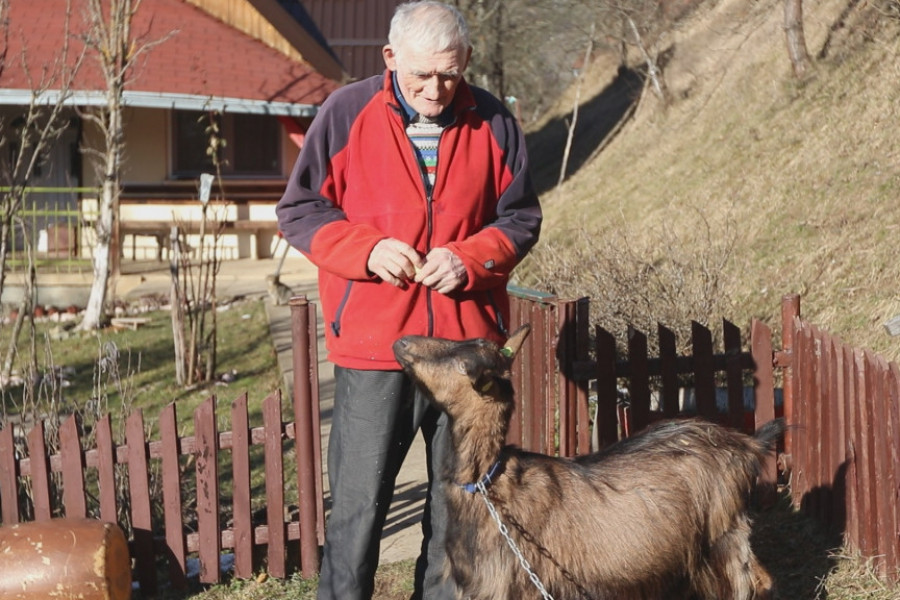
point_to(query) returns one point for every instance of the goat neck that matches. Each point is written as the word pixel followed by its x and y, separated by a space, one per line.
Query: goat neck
pixel 478 438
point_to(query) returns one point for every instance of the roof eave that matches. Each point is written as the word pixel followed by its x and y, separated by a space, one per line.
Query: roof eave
pixel 172 101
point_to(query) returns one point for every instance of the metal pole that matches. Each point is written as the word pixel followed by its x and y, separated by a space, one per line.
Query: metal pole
pixel 304 438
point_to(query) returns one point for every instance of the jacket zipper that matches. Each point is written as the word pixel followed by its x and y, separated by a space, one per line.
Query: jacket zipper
pixel 336 323
pixel 498 316
pixel 429 217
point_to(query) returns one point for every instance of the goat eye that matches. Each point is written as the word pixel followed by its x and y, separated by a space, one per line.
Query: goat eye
pixel 461 367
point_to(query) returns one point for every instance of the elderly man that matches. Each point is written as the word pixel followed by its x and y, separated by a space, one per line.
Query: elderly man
pixel 412 196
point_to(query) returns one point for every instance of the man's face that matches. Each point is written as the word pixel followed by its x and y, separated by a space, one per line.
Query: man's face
pixel 427 80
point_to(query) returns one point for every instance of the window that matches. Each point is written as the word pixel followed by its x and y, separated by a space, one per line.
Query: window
pixel 252 144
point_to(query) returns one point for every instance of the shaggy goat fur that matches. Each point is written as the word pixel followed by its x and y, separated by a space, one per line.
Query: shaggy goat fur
pixel 660 515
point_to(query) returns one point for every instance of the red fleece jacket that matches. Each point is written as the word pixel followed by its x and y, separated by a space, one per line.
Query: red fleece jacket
pixel 357 181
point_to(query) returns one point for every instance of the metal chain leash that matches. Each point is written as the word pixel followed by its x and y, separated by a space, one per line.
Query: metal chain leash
pixel 504 531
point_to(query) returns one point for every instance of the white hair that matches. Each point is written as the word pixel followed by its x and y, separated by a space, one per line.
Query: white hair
pixel 428 26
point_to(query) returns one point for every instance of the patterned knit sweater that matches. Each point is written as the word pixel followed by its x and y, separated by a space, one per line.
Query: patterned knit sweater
pixel 425 134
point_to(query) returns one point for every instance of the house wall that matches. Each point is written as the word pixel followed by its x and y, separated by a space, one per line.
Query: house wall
pixel 146 147
pixel 147 161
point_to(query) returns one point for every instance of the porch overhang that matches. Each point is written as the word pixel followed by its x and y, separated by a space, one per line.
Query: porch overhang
pixel 137 99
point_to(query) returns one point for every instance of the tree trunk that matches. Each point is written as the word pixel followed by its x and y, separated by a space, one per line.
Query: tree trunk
pixel 94 311
pixel 796 41
pixel 26 311
pixel 110 35
pixel 6 231
pixel 177 302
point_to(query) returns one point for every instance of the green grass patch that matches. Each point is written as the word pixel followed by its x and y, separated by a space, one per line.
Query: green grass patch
pixel 121 369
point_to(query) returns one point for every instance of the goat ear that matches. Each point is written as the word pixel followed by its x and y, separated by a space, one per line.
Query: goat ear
pixel 482 378
pixel 484 382
pixel 471 369
pixel 515 341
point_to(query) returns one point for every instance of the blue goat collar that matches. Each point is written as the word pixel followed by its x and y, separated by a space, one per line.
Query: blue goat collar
pixel 486 480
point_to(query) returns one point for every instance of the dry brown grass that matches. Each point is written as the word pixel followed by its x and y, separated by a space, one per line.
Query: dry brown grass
pixel 807 170
pixel 635 280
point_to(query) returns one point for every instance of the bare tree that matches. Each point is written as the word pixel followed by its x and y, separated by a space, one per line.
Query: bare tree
pixel 194 273
pixel 24 143
pixel 796 40
pixel 486 24
pixel 506 36
pixel 529 50
pixel 109 37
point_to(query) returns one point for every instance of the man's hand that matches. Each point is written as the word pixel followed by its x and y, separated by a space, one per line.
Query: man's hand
pixel 443 271
pixel 394 261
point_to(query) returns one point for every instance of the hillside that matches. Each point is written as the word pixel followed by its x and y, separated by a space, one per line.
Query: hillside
pixel 798 180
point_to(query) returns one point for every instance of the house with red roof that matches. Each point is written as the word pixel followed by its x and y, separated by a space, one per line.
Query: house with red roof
pixel 257 69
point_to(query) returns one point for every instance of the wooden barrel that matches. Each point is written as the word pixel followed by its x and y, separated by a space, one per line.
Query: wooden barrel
pixel 64 558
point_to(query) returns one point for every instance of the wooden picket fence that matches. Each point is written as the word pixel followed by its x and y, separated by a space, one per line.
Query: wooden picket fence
pixel 189 526
pixel 843 451
pixel 575 394
pixel 571 404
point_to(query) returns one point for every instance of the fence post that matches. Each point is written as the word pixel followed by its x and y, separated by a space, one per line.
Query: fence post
pixel 639 381
pixel 704 372
pixel 764 403
pixel 172 500
pixel 275 486
pixel 579 387
pixel 139 490
pixel 72 468
pixel 668 370
pixel 106 470
pixel 39 461
pixel 9 476
pixel 734 377
pixel 606 421
pixel 242 494
pixel 790 309
pixel 304 437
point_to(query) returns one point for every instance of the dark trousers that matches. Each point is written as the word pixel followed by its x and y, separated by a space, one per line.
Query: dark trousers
pixel 376 417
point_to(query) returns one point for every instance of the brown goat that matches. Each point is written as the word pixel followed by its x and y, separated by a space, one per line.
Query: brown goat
pixel 660 515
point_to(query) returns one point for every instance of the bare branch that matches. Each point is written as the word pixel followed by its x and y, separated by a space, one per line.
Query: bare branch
pixel 576 103
pixel 653 72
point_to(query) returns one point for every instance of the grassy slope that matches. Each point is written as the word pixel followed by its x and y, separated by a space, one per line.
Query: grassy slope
pixel 808 171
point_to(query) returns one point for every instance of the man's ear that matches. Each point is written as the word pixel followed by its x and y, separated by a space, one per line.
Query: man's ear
pixel 390 57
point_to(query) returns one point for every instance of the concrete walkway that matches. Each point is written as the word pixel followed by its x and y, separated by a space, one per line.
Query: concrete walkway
pixel 247 278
